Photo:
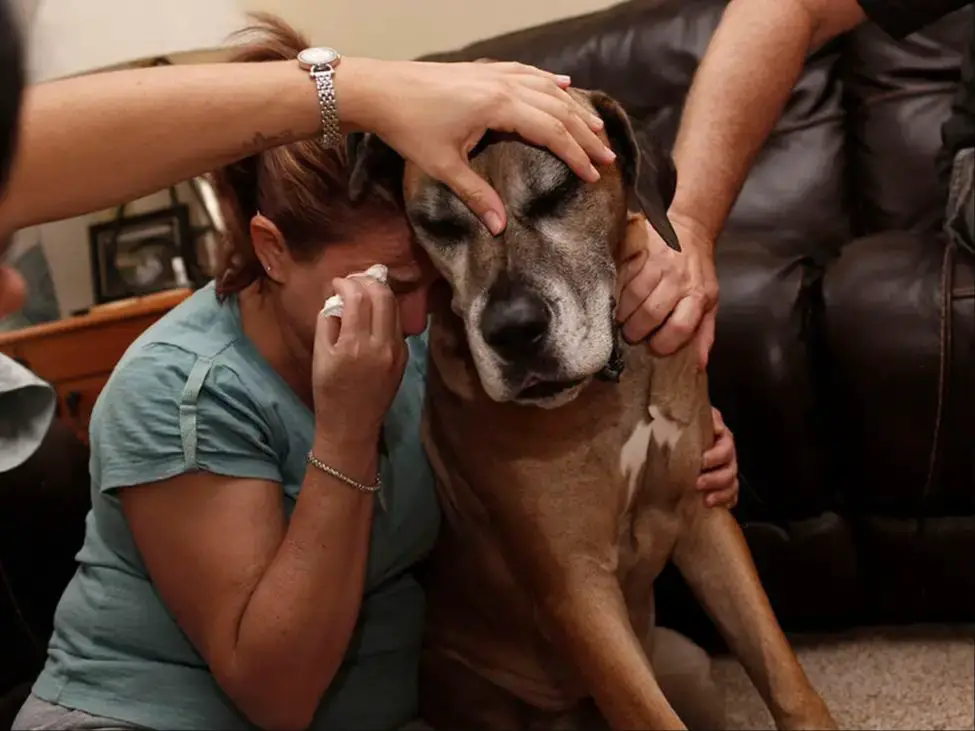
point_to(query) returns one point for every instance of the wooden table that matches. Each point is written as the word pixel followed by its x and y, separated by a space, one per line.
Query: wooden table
pixel 76 355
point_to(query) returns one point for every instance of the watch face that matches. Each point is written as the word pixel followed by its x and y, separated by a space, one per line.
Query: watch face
pixel 318 56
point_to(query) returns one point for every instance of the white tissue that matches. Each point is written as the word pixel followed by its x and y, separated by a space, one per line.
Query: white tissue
pixel 333 305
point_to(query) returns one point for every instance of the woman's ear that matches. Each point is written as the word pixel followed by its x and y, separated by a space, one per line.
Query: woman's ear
pixel 270 248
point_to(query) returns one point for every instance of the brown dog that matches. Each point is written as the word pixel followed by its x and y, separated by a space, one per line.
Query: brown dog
pixel 565 494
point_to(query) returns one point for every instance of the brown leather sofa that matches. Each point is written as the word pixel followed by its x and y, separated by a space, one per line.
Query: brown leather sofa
pixel 843 361
pixel 844 352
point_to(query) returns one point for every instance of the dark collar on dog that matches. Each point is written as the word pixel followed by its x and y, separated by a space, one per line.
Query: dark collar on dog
pixel 613 370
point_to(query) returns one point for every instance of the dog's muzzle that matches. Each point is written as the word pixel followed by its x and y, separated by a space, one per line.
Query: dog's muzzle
pixel 613 370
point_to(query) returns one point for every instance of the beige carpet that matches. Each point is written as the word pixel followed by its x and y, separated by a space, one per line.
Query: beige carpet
pixel 881 679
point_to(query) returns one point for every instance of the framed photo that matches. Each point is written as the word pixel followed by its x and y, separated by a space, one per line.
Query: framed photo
pixel 133 255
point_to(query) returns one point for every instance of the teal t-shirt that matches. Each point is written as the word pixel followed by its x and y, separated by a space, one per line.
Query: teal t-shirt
pixel 193 393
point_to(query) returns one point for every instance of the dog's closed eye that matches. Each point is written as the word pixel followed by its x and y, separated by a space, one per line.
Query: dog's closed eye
pixel 440 228
pixel 550 201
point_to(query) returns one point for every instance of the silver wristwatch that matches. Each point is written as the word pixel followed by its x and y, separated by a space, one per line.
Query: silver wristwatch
pixel 320 64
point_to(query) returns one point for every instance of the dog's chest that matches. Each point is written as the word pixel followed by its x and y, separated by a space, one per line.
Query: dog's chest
pixel 588 455
pixel 584 484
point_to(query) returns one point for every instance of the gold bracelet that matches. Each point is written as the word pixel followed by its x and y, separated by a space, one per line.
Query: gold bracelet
pixel 375 488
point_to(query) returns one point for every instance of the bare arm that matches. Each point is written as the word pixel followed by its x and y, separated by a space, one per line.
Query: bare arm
pixel 106 138
pixel 739 91
pixel 270 605
pixel 98 140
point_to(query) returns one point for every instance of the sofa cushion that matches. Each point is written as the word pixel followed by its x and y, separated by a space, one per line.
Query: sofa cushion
pixel 899 94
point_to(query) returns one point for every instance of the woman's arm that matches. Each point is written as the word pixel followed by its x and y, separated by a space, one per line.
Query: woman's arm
pixel 98 140
pixel 269 604
pixel 95 141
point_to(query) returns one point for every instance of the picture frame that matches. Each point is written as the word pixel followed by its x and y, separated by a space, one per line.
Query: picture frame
pixel 133 255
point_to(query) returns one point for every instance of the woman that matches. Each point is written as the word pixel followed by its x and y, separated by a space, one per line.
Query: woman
pixel 136 131
pixel 90 142
pixel 226 579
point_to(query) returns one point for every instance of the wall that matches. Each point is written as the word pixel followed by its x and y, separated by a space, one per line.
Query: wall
pixel 67 249
pixel 380 28
pixel 408 28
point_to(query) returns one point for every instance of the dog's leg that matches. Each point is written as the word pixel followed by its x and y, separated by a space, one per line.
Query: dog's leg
pixel 684 672
pixel 589 622
pixel 713 556
pixel 471 696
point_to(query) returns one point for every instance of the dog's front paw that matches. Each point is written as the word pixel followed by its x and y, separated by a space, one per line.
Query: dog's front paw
pixel 815 716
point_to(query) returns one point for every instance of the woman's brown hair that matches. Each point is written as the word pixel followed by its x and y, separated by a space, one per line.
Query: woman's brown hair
pixel 301 187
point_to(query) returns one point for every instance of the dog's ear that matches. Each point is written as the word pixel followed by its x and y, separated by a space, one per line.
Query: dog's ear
pixel 648 170
pixel 373 163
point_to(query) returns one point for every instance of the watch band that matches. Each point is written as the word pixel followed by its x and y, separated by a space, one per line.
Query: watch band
pixel 331 134
pixel 320 64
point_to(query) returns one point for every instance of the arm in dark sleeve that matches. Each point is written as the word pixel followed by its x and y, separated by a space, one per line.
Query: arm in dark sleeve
pixel 900 18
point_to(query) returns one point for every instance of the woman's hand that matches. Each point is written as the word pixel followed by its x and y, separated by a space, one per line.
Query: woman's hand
pixel 435 113
pixel 358 363
pixel 719 471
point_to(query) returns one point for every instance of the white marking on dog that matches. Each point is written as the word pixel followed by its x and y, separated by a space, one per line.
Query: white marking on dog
pixel 633 456
pixel 664 431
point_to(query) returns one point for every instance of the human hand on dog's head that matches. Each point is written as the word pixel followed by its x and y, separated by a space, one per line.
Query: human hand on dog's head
pixel 437 112
pixel 537 302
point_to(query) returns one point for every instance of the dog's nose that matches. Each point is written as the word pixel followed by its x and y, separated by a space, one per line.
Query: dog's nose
pixel 515 322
